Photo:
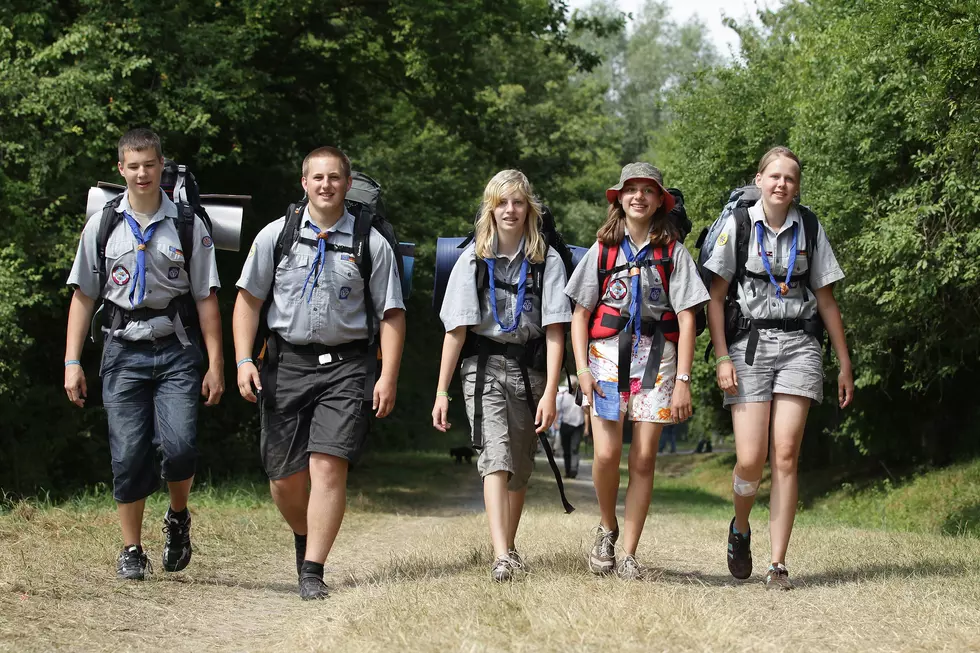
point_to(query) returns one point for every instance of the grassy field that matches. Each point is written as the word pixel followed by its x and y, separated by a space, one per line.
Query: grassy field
pixel 410 573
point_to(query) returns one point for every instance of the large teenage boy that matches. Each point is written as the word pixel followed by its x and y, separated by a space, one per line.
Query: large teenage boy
pixel 320 363
pixel 150 362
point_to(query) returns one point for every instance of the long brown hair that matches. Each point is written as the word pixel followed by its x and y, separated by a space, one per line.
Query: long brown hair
pixel 612 231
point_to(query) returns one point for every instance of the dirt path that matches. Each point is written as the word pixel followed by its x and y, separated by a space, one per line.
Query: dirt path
pixel 417 580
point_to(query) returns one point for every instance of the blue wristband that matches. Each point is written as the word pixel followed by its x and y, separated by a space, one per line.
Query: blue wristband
pixel 243 361
pixel 67 363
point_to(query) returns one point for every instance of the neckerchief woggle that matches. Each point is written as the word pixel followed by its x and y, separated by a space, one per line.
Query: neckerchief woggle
pixel 521 290
pixel 634 319
pixel 139 277
pixel 781 288
pixel 321 254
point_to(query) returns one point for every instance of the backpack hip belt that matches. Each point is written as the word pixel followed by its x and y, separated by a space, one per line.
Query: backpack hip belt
pixel 812 326
pixel 181 310
pixel 532 354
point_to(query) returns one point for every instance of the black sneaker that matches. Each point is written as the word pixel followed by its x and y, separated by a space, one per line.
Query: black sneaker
pixel 312 588
pixel 777 578
pixel 739 552
pixel 132 563
pixel 177 545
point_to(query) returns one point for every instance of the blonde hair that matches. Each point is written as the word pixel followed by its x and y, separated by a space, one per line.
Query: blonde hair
pixel 613 230
pixel 503 183
pixel 776 153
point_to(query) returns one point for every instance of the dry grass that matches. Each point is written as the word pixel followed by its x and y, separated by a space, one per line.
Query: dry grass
pixel 412 575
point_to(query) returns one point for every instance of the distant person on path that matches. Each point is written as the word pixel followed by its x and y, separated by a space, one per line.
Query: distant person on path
pixel 770 368
pixel 317 386
pixel 668 436
pixel 631 307
pixel 508 309
pixel 571 425
pixel 159 303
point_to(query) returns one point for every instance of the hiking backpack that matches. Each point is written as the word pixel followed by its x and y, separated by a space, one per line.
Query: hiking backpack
pixel 739 202
pixel 364 202
pixel 180 186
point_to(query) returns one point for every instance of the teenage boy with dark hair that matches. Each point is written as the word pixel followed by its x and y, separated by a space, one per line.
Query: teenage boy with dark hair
pixel 155 314
pixel 318 371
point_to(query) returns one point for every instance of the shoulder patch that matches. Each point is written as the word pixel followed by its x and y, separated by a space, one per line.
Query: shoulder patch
pixel 722 239
pixel 252 251
pixel 207 242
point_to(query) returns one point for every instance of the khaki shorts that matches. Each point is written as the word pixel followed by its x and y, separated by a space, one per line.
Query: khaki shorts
pixel 509 440
pixel 785 362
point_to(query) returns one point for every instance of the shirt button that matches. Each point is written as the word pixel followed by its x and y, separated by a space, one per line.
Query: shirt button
pixel 317 309
pixel 774 304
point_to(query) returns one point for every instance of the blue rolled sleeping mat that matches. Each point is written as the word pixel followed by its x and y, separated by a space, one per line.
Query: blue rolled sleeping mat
pixel 407 252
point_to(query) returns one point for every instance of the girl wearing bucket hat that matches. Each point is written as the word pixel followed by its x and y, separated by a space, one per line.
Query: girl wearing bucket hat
pixel 636 292
pixel 769 365
pixel 504 316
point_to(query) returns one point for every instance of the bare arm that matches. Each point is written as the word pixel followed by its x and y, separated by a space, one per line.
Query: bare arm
pixel 724 370
pixel 680 401
pixel 79 316
pixel 209 318
pixel 392 336
pixel 452 345
pixel 555 342
pixel 580 348
pixel 830 314
pixel 244 324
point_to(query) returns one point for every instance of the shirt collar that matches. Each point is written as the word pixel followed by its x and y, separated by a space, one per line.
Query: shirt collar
pixel 167 208
pixel 757 214
pixel 512 257
pixel 344 226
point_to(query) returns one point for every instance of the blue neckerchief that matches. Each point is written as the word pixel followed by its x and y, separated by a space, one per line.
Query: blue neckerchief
pixel 759 232
pixel 321 255
pixel 139 278
pixel 635 286
pixel 521 290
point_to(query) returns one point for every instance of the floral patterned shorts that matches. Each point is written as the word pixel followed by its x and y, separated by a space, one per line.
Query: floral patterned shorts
pixel 651 405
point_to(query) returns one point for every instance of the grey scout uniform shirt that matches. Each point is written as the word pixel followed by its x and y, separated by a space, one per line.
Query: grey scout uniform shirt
pixel 684 284
pixel 335 315
pixel 464 307
pixel 165 274
pixel 757 297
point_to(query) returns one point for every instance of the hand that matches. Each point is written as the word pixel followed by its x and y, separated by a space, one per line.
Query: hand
pixel 75 385
pixel 588 385
pixel 213 386
pixel 248 376
pixel 680 402
pixel 545 415
pixel 727 377
pixel 845 385
pixel 384 396
pixel 440 412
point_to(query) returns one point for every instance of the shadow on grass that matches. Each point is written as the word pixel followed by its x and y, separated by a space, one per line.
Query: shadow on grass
pixel 680 499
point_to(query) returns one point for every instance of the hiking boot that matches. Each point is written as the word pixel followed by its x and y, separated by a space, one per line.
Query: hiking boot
pixel 739 552
pixel 629 569
pixel 517 562
pixel 132 563
pixel 312 588
pixel 502 569
pixel 777 578
pixel 177 544
pixel 602 558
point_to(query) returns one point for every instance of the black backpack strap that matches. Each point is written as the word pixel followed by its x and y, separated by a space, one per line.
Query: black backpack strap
pixel 284 242
pixel 743 232
pixel 362 257
pixel 110 218
pixel 811 228
pixel 185 232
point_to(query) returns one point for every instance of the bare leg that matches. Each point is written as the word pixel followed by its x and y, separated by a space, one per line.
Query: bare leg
pixel 179 491
pixel 516 501
pixel 292 496
pixel 497 501
pixel 608 443
pixel 131 520
pixel 751 424
pixel 328 501
pixel 642 462
pixel 788 420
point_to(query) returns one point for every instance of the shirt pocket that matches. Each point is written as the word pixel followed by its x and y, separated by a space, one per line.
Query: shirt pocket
pixel 120 260
pixel 172 257
pixel 291 275
pixel 346 286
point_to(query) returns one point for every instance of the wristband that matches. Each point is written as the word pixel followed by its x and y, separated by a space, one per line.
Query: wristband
pixel 722 359
pixel 73 362
pixel 243 361
pixel 444 394
pixel 583 371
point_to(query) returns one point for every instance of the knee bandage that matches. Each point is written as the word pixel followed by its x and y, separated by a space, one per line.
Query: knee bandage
pixel 745 488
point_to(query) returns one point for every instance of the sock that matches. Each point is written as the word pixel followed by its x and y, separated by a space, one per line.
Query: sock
pixel 311 569
pixel 179 516
pixel 300 542
pixel 737 532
